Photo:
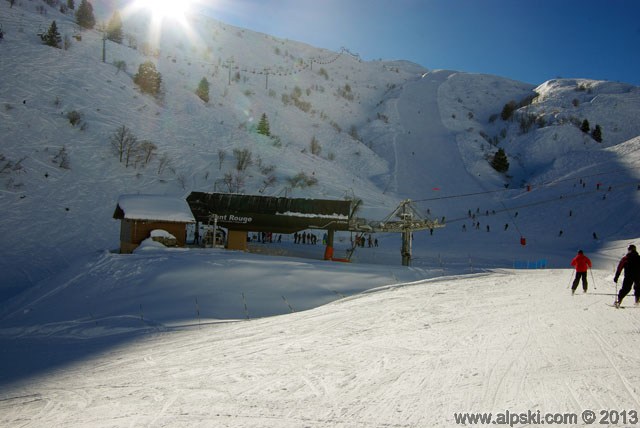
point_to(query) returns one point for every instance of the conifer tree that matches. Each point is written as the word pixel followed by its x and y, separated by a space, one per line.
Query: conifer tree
pixel 508 109
pixel 597 134
pixel 203 90
pixel 148 78
pixel 114 28
pixel 71 4
pixel 500 162
pixel 263 125
pixel 52 36
pixel 585 127
pixel 84 15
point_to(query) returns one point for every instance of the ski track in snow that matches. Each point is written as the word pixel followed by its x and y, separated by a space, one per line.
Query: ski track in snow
pixel 406 356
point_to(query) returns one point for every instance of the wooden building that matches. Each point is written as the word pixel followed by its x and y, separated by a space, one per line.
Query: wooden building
pixel 141 214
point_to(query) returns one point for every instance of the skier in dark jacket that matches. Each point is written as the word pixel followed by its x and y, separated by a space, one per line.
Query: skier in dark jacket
pixel 631 265
pixel 582 265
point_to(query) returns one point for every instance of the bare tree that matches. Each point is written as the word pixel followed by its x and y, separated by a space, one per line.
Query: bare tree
pixel 147 151
pixel 163 162
pixel 268 182
pixel 62 158
pixel 123 142
pixel 182 179
pixel 314 145
pixel 234 182
pixel 243 159
pixel 130 151
pixel 221 155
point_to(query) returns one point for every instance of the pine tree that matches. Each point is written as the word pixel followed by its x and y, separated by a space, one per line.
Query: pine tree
pixel 500 162
pixel 203 90
pixel 585 127
pixel 71 4
pixel 52 36
pixel 597 134
pixel 84 15
pixel 114 28
pixel 263 125
pixel 508 109
pixel 148 78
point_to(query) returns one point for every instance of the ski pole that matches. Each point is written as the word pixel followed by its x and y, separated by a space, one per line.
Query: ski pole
pixel 593 279
pixel 570 279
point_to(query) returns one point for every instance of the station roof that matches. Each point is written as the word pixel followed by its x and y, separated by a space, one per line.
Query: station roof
pixel 269 214
pixel 153 207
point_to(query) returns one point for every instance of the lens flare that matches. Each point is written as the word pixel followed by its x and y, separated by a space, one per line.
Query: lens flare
pixel 165 9
pixel 163 12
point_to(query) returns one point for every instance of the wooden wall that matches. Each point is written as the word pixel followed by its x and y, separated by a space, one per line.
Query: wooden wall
pixel 133 232
pixel 237 240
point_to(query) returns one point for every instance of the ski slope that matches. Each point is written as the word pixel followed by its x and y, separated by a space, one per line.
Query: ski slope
pixel 277 336
pixel 409 354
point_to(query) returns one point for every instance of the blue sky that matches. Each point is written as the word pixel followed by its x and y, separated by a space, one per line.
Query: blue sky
pixel 531 41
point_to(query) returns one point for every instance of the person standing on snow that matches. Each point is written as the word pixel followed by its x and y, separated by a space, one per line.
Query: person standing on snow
pixel 631 265
pixel 582 265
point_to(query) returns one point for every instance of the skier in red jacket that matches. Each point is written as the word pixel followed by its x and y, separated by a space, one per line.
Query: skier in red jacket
pixel 582 265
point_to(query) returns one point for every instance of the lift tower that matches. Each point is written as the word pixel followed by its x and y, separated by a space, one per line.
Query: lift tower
pixel 408 219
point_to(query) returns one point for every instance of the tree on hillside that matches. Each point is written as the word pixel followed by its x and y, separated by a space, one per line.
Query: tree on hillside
pixel 508 109
pixel 84 15
pixel 243 159
pixel 585 127
pixel 124 143
pixel 263 125
pixel 148 78
pixel 597 134
pixel 146 151
pixel 500 162
pixel 71 4
pixel 114 28
pixel 315 147
pixel 221 155
pixel 203 90
pixel 52 36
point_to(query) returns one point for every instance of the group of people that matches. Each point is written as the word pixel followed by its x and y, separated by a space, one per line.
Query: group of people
pixel 629 264
pixel 305 238
pixel 264 237
pixel 361 241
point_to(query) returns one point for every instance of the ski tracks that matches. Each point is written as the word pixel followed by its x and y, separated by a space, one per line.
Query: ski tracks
pixel 400 357
pixel 606 349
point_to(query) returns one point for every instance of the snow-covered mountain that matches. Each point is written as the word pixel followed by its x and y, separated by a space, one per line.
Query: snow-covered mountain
pixel 383 131
pixel 90 337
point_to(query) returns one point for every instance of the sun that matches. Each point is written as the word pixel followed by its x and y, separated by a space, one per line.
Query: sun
pixel 166 9
pixel 165 12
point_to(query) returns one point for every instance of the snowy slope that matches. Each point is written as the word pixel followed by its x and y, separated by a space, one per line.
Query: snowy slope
pixel 161 337
pixel 412 355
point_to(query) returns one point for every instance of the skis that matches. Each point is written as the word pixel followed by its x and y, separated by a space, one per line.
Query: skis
pixel 623 306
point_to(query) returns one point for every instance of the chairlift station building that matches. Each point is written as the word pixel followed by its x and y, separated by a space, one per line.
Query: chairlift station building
pixel 241 214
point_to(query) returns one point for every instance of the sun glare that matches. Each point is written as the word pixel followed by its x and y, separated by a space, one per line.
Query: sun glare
pixel 165 12
pixel 166 9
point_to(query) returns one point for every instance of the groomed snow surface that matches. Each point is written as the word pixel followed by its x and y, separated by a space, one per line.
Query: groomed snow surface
pixel 209 338
pixel 148 352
